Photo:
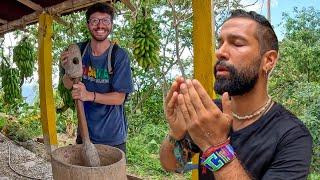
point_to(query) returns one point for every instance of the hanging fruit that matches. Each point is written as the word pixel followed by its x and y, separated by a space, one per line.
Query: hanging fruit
pixel 146 43
pixel 65 94
pixel 23 56
pixel 10 84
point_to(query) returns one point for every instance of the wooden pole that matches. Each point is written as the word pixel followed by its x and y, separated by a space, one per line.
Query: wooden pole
pixel 47 106
pixel 203 47
pixel 268 11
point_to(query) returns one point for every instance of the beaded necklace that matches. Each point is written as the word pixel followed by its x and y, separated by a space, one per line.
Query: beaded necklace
pixel 255 113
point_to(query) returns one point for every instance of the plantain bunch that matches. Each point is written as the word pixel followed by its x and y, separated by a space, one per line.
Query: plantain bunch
pixel 23 56
pixel 10 84
pixel 146 43
pixel 65 94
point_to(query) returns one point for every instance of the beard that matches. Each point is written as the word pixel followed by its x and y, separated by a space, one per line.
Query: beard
pixel 239 81
pixel 100 38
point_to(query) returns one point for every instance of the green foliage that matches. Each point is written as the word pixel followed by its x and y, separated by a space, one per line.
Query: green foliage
pixel 2 122
pixel 25 123
pixel 296 79
pixel 314 176
pixel 147 129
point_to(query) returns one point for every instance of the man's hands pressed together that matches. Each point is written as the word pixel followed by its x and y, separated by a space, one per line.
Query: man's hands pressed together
pixel 190 109
pixel 206 123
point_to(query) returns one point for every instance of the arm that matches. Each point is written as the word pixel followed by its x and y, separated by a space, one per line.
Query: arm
pixel 112 98
pixel 176 125
pixel 232 170
pixel 79 91
pixel 207 125
pixel 67 82
pixel 167 158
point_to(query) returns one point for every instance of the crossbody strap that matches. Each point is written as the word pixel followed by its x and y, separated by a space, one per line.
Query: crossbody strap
pixel 110 69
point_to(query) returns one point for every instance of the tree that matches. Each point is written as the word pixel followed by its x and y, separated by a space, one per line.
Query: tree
pixel 296 79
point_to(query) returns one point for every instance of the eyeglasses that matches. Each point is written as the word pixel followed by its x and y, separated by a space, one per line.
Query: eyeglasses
pixel 96 21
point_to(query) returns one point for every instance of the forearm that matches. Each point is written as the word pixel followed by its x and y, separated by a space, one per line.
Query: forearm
pixel 67 81
pixel 112 98
pixel 167 158
pixel 232 170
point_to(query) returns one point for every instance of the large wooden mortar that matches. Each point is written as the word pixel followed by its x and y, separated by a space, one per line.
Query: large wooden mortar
pixel 67 164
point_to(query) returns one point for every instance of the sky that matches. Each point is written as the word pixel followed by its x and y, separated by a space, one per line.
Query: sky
pixel 278 7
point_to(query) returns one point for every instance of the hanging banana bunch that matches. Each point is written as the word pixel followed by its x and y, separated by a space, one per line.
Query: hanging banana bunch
pixel 23 56
pixel 10 84
pixel 66 96
pixel 146 43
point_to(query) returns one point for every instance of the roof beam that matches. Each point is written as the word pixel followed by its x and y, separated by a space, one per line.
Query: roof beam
pixel 58 9
pixel 2 21
pixel 129 5
pixel 31 5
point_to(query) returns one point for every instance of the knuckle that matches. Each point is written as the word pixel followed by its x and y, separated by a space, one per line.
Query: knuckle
pixel 216 114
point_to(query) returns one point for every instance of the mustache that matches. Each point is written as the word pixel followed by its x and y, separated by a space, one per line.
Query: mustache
pixel 224 64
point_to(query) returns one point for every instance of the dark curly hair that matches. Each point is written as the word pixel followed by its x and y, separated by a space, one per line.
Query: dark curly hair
pixel 100 7
pixel 265 34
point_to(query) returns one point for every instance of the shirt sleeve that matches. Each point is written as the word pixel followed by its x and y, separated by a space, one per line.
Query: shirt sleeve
pixel 293 157
pixel 122 79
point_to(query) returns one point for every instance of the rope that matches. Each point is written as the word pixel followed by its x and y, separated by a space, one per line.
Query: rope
pixel 20 174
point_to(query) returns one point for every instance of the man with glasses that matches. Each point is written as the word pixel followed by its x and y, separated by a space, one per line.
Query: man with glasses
pixel 246 135
pixel 104 87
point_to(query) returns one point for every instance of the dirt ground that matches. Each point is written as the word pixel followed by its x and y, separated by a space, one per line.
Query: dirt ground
pixel 25 164
pixel 28 160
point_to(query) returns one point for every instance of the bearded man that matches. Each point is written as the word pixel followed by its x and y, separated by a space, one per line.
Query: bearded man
pixel 246 135
pixel 106 80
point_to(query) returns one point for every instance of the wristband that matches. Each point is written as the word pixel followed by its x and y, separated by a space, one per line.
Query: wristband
pixel 178 152
pixel 219 158
pixel 212 149
pixel 171 139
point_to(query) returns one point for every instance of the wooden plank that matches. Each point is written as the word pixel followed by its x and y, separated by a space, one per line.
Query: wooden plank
pixel 203 43
pixel 31 5
pixel 47 106
pixel 2 21
pixel 203 47
pixel 129 5
pixel 58 9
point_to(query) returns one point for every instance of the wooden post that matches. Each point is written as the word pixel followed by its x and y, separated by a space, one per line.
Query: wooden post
pixel 203 47
pixel 268 11
pixel 47 106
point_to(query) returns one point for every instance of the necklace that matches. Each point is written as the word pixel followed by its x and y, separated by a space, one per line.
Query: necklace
pixel 255 113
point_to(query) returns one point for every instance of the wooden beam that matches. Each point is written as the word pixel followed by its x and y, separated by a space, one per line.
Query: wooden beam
pixel 58 19
pixel 2 21
pixel 58 9
pixel 10 26
pixel 203 43
pixel 203 47
pixel 129 5
pixel 31 5
pixel 47 106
